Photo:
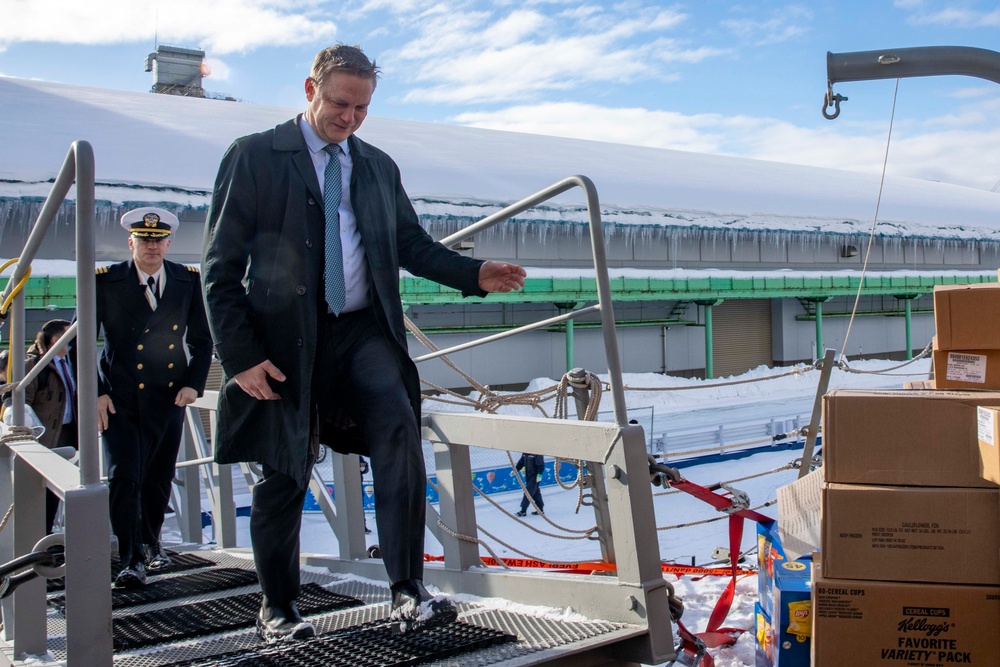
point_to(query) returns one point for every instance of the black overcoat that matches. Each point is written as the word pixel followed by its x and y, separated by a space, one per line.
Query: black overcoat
pixel 263 267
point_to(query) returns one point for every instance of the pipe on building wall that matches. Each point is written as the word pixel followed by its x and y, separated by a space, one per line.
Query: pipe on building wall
pixel 709 356
pixel 570 364
pixel 909 331
pixel 663 340
pixel 570 328
pixel 907 300
pixel 819 327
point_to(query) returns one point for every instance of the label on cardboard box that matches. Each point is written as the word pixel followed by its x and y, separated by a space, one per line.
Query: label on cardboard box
pixel 987 425
pixel 989 435
pixel 877 624
pixel 898 533
pixel 966 367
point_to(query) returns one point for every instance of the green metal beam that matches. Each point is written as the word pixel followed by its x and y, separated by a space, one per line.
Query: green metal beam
pixel 60 292
pixel 419 291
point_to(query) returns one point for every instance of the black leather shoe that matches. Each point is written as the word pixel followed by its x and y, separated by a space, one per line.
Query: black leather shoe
pixel 156 557
pixel 133 576
pixel 414 608
pixel 277 623
pixel 521 513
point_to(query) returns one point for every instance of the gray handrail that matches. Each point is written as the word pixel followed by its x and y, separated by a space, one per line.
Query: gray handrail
pixel 78 168
pixel 87 534
pixel 600 271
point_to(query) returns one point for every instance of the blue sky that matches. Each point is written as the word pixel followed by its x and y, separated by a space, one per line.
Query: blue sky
pixel 730 78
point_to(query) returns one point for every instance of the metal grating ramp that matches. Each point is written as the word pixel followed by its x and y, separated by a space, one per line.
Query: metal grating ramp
pixel 369 645
pixel 198 583
pixel 181 563
pixel 541 638
pixel 213 616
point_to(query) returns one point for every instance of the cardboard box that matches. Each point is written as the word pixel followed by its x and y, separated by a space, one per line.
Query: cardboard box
pixel 905 437
pixel 774 647
pixel 877 624
pixel 967 317
pixel 922 534
pixel 989 443
pixel 919 384
pixel 967 369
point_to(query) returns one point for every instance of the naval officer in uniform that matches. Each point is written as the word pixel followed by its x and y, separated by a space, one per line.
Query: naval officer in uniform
pixel 157 351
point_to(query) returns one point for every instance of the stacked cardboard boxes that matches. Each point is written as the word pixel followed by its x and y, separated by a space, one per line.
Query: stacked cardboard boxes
pixel 910 566
pixel 967 336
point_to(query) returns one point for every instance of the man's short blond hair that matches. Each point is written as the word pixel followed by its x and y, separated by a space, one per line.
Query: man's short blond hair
pixel 344 58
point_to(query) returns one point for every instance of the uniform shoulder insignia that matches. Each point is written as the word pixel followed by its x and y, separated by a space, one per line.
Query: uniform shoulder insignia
pixel 102 269
pixel 192 269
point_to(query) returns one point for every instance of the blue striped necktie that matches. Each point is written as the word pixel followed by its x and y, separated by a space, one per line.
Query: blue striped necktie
pixel 333 275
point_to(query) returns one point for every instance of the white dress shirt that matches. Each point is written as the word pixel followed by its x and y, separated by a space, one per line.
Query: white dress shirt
pixel 161 280
pixel 353 250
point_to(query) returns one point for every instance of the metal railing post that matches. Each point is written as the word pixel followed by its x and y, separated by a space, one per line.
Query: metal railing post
pixel 826 371
pixel 88 534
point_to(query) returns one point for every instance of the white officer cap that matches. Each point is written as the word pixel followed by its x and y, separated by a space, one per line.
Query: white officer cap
pixel 150 222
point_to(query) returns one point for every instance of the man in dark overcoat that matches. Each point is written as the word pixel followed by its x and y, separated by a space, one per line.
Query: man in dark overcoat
pixel 307 231
pixel 155 361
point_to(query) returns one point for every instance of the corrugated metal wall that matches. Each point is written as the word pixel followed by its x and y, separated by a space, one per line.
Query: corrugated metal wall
pixel 741 335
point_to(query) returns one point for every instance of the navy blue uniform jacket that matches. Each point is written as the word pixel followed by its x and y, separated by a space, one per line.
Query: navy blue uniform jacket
pixel 145 358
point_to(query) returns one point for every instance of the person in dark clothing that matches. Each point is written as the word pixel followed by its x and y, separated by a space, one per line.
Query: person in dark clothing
pixel 52 396
pixel 307 231
pixel 157 352
pixel 533 466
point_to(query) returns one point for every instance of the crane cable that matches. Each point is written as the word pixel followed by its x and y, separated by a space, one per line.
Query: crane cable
pixel 871 235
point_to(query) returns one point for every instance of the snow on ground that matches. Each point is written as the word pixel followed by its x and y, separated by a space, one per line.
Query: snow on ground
pixel 684 544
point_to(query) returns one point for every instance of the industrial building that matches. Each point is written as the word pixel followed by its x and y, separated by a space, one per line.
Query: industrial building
pixel 718 264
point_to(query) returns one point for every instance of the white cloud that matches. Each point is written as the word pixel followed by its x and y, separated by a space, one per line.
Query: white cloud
pixel 973 91
pixel 781 26
pixel 225 26
pixel 464 53
pixel 959 156
pixel 953 16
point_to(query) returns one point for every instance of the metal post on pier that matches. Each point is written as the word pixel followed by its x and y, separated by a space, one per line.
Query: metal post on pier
pixel 826 369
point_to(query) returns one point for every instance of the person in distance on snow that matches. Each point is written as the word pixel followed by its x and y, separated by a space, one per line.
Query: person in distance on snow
pixel 533 466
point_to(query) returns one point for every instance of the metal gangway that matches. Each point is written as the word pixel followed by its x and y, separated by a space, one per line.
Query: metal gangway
pixel 627 612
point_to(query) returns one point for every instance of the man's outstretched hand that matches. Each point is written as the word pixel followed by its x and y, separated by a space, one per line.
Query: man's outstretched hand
pixel 501 277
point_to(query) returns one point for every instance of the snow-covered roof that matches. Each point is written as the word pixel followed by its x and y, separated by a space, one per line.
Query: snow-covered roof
pixel 166 149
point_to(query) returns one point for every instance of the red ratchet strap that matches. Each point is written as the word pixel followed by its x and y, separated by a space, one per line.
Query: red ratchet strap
pixel 591 567
pixel 694 645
